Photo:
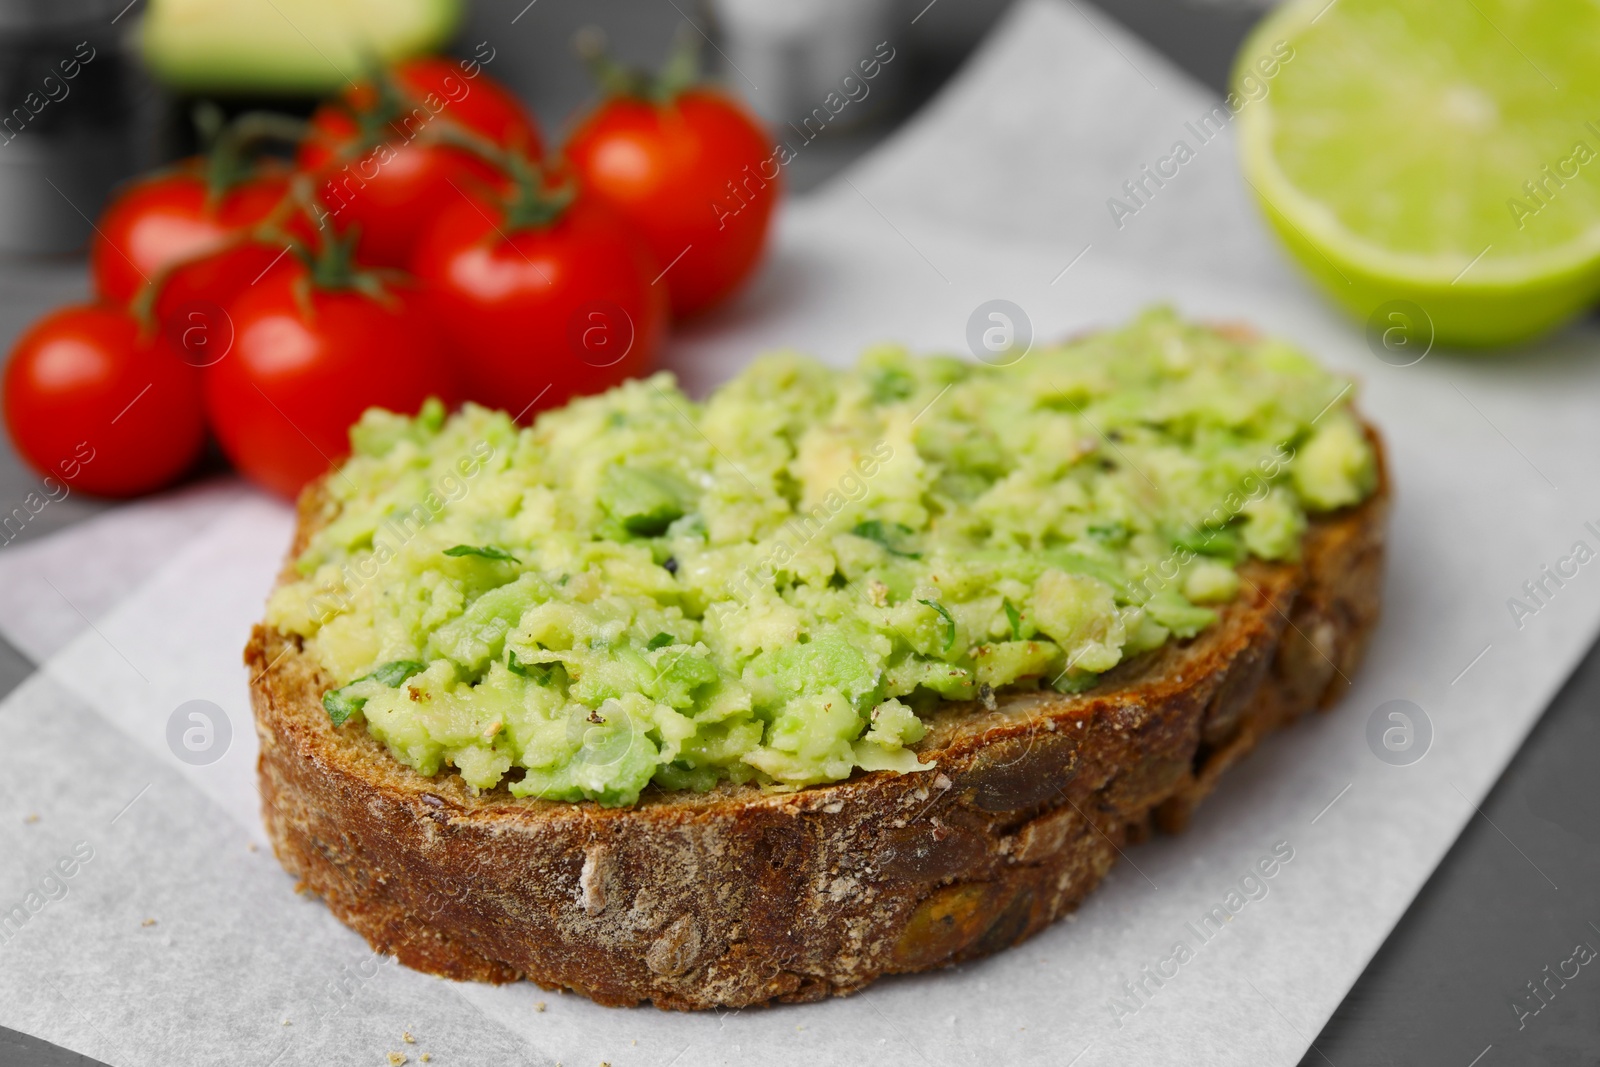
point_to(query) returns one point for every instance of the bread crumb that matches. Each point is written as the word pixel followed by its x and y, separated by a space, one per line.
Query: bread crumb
pixel 148 922
pixel 286 1022
pixel 397 1058
pixel 426 1057
pixel 251 845
pixel 31 818
pixel 405 1035
pixel 539 1005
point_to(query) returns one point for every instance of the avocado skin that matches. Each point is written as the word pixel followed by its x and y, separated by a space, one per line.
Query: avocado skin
pixel 287 47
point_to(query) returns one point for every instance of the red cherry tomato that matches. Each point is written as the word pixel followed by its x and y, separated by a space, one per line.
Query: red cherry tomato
pixel 475 101
pixel 305 363
pixel 393 191
pixel 540 313
pixel 695 176
pixel 91 403
pixel 161 220
pixel 201 289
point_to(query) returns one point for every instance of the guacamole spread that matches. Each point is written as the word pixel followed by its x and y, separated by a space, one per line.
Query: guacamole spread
pixel 773 585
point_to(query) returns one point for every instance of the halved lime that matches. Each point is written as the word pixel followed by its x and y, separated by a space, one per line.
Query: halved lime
pixel 1442 152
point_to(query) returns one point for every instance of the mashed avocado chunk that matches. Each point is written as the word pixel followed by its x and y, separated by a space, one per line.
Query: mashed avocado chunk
pixel 773 584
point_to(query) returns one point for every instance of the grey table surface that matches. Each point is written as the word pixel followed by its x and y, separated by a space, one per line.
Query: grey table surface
pixel 1488 924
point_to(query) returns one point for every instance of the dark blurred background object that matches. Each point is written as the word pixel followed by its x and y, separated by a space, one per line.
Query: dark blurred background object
pixel 67 132
pixel 804 52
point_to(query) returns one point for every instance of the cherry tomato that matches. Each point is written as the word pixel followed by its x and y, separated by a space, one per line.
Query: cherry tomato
pixel 91 403
pixel 538 313
pixel 305 363
pixel 393 191
pixel 695 176
pixel 206 286
pixel 161 220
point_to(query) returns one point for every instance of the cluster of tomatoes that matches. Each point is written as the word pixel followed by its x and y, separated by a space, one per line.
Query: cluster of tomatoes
pixel 420 244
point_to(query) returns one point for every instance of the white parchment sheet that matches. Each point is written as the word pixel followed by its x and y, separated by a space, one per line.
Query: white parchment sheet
pixel 994 192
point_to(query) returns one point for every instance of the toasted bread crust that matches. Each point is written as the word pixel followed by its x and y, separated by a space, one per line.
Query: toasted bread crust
pixel 738 897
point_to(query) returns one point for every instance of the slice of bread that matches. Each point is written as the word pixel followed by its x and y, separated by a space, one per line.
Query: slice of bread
pixel 739 897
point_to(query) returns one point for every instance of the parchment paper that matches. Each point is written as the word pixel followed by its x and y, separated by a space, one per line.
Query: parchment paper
pixel 1494 472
